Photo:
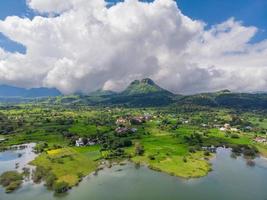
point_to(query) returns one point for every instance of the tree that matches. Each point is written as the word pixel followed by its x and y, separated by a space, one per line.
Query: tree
pixel 61 187
pixel 139 149
pixel 50 180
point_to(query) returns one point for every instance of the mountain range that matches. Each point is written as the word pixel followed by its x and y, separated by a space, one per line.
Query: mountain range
pixel 11 91
pixel 142 93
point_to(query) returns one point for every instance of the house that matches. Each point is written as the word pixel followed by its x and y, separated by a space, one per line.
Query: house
pixel 137 120
pixel 147 117
pixel 91 143
pixel 227 126
pixel 211 149
pixel 122 130
pixel 121 121
pixel 85 142
pixel 248 128
pixel 260 140
pixel 79 142
pixel 234 129
pixel 2 140
pixel 133 130
pixel 204 125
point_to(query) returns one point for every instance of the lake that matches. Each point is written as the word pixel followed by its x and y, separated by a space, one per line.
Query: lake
pixel 231 179
pixel 9 159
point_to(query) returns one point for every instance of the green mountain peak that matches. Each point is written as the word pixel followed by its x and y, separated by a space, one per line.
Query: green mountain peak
pixel 144 86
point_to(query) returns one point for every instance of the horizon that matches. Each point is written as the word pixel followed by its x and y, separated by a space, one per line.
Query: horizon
pixel 139 80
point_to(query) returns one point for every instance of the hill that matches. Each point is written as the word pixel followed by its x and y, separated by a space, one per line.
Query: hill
pixel 139 93
pixel 227 99
pixel 142 93
pixel 144 86
pixel 7 91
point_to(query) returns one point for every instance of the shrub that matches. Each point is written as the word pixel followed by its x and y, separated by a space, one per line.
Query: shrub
pixel 139 149
pixel 39 174
pixel 61 187
pixel 151 157
pixel 11 180
pixel 234 136
pixel 250 163
pixel 50 180
pixel 206 153
pixel 192 150
pixel 80 176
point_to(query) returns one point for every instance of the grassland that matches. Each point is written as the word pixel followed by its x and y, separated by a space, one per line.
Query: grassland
pixel 162 154
pixel 167 153
pixel 69 164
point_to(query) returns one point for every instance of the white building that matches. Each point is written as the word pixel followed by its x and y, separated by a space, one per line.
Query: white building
pixel 79 142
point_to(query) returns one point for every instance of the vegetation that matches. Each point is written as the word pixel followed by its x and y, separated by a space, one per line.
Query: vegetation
pixel 11 180
pixel 74 140
pixel 65 165
pixel 61 187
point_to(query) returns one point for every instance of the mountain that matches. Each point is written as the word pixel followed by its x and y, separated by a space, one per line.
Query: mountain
pixel 139 93
pixel 146 93
pixel 142 93
pixel 10 91
pixel 145 86
pixel 7 91
pixel 42 92
pixel 226 99
pixel 102 92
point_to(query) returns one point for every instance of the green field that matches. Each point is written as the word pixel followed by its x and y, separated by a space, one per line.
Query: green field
pixel 68 163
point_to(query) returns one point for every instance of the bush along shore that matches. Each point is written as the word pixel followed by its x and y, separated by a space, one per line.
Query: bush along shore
pixel 11 180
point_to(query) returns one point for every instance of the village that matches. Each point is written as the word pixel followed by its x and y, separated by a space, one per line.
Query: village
pixel 124 126
pixel 128 124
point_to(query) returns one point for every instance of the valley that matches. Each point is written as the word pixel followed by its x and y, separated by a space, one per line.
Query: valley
pixel 73 140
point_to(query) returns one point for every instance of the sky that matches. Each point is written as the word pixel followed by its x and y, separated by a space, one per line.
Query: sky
pixel 187 46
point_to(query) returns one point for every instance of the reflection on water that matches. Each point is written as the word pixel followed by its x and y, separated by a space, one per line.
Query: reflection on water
pixel 16 159
pixel 231 179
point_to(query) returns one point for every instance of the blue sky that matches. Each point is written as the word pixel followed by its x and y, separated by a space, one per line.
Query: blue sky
pixel 251 12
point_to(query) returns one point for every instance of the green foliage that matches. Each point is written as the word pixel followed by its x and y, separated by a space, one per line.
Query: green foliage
pixel 39 174
pixel 145 86
pixel 234 136
pixel 139 149
pixel 40 147
pixel 194 139
pixel 61 187
pixel 11 180
pixel 50 180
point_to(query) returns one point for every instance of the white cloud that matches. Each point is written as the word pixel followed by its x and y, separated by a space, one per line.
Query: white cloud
pixel 48 6
pixel 87 46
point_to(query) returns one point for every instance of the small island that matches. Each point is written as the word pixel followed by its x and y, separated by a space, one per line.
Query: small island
pixel 11 180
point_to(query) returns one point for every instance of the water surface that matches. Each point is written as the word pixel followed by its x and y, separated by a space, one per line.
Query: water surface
pixel 16 159
pixel 231 179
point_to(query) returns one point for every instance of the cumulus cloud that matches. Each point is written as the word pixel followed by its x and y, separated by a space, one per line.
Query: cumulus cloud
pixel 81 45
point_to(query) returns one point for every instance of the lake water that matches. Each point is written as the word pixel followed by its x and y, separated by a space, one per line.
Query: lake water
pixel 21 157
pixel 231 179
